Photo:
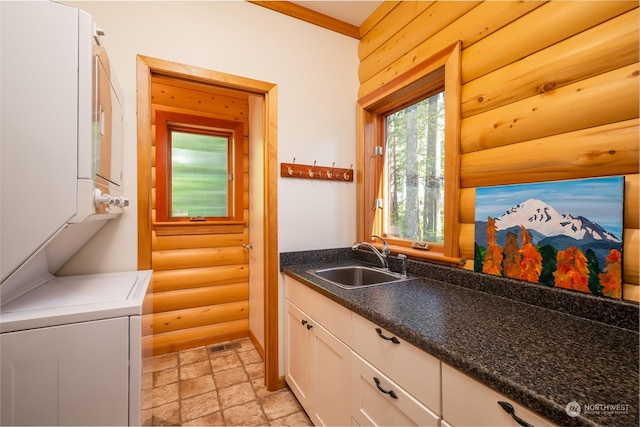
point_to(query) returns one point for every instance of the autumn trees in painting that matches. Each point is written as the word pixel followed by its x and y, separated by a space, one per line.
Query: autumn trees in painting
pixel 569 268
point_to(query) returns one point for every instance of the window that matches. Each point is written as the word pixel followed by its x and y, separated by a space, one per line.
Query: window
pixel 199 168
pixel 414 169
pixel 409 161
pixel 200 174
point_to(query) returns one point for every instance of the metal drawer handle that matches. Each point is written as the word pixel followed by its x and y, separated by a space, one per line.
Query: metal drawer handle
pixel 309 325
pixel 392 339
pixel 509 409
pixel 389 392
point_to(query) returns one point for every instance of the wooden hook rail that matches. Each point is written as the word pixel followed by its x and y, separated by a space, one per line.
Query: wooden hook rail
pixel 325 173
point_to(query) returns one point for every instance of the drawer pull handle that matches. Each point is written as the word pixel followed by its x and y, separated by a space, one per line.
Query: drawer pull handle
pixel 389 392
pixel 392 339
pixel 309 325
pixel 508 408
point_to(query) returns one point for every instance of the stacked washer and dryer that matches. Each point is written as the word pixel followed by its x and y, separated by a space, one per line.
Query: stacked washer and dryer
pixel 70 346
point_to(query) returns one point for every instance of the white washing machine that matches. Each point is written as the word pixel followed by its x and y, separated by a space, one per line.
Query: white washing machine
pixel 70 351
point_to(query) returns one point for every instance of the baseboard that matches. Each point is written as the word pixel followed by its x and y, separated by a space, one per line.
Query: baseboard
pixel 256 344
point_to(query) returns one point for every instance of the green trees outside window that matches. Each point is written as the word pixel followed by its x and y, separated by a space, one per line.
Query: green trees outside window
pixel 415 171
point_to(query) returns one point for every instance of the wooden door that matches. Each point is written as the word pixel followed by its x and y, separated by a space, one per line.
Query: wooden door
pixel 200 268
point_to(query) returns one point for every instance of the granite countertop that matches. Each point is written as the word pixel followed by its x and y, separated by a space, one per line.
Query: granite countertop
pixel 584 350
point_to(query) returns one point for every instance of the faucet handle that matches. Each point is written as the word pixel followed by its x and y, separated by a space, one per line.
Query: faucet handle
pixel 385 248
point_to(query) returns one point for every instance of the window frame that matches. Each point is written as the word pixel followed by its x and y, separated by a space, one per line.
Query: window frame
pixel 166 122
pixel 440 72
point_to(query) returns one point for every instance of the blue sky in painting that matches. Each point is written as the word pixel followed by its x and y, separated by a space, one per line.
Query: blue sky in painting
pixel 599 199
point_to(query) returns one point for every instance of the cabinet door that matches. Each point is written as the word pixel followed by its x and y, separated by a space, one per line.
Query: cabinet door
pixel 467 402
pixel 300 358
pixel 66 375
pixel 378 401
pixel 333 380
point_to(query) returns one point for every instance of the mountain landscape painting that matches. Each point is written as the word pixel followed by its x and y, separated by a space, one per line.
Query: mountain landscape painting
pixel 565 234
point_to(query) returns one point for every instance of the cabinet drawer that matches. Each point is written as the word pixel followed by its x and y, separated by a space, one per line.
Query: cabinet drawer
pixel 467 402
pixel 411 368
pixel 378 401
pixel 324 311
pixel 297 293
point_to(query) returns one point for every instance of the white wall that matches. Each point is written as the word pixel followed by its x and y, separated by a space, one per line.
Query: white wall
pixel 316 73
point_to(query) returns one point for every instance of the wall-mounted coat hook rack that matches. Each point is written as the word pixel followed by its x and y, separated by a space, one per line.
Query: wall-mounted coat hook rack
pixel 325 173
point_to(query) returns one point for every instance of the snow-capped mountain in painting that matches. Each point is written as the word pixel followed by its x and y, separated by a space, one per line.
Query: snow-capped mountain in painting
pixel 536 215
pixel 546 226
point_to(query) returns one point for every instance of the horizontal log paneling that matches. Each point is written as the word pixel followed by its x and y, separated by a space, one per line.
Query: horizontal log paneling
pixel 215 115
pixel 197 297
pixel 492 15
pixel 631 253
pixel 612 149
pixel 606 98
pixel 631 292
pixel 197 337
pixel 419 27
pixel 190 99
pixel 203 88
pixel 374 19
pixel 467 205
pixel 549 92
pixel 186 278
pixel 199 257
pixel 390 25
pixel 564 63
pixel 543 27
pixel 191 241
pixel 195 317
pixel 631 201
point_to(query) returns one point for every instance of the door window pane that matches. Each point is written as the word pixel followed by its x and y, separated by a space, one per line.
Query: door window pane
pixel 414 205
pixel 199 175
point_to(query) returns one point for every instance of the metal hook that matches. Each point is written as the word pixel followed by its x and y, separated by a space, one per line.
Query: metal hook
pixel 311 170
pixel 346 175
pixel 329 173
pixel 290 167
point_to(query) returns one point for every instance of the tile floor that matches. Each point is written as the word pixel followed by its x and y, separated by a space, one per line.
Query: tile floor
pixel 201 387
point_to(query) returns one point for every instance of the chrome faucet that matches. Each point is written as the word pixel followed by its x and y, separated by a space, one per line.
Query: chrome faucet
pixel 382 256
pixel 385 247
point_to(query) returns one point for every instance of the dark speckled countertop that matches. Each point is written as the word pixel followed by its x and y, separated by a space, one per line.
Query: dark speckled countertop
pixel 541 347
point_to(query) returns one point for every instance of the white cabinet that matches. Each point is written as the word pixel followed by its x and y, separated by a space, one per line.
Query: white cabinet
pixel 379 401
pixel 467 402
pixel 318 364
pixel 60 376
pixel 344 370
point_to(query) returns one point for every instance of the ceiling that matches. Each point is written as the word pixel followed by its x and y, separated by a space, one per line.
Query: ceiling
pixel 351 12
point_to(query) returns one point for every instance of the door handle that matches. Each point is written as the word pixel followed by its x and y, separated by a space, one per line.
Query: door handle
pixel 247 246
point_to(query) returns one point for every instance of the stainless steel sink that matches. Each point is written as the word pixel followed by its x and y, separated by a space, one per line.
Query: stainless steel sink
pixel 357 276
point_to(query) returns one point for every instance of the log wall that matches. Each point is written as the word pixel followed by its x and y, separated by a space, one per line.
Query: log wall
pixel 549 92
pixel 200 270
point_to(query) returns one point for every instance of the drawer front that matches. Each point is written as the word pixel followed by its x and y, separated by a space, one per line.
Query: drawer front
pixel 297 293
pixel 411 368
pixel 332 316
pixel 467 402
pixel 373 404
pixel 324 311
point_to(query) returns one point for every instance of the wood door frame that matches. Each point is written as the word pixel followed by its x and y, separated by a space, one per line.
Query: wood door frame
pixel 145 66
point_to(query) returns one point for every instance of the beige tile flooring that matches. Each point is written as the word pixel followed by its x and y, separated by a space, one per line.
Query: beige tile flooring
pixel 201 387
